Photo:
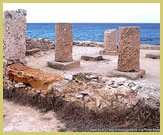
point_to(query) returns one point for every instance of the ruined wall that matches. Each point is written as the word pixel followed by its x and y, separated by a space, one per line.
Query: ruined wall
pixel 14 30
pixel 45 44
pixel 41 43
pixel 88 43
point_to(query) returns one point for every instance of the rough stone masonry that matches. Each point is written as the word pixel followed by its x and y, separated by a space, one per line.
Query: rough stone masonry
pixel 14 35
pixel 128 49
pixel 63 42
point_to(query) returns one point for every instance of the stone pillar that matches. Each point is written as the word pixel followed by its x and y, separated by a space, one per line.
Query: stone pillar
pixel 63 48
pixel 110 40
pixel 128 49
pixel 14 34
pixel 63 42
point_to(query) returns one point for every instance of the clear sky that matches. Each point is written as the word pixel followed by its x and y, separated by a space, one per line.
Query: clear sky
pixel 89 12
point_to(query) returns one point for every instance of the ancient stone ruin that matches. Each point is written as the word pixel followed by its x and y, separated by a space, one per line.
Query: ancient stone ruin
pixel 110 42
pixel 63 48
pixel 128 53
pixel 88 95
pixel 14 35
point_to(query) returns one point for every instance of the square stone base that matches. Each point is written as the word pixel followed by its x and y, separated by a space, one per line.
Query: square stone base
pixel 128 75
pixel 107 52
pixel 63 65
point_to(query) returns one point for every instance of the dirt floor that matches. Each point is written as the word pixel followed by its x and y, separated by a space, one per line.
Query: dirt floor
pixel 18 118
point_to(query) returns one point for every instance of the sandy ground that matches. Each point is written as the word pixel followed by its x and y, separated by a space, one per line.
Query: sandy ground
pixel 152 66
pixel 17 118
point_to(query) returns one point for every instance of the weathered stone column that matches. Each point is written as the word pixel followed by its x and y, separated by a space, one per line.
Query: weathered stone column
pixel 129 49
pixel 63 48
pixel 128 54
pixel 63 42
pixel 110 40
pixel 14 34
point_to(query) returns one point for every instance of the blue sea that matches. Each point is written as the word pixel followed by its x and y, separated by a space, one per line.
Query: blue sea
pixel 149 32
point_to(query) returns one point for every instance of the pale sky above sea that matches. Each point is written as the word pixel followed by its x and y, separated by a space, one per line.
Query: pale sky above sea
pixel 89 12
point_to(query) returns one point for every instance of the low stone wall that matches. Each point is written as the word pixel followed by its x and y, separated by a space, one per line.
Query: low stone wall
pixel 88 43
pixel 149 47
pixel 41 43
pixel 101 44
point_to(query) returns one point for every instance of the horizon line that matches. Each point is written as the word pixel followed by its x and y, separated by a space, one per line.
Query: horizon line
pixel 96 22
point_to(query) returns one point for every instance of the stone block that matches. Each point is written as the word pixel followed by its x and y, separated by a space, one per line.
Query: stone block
pixel 91 58
pixel 63 65
pixel 107 52
pixel 128 49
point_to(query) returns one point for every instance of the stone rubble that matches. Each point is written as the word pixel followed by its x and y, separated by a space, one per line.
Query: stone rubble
pixel 40 43
pixel 101 94
pixel 88 43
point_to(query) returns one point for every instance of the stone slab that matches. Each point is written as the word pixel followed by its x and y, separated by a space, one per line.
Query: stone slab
pixel 35 77
pixel 91 58
pixel 63 65
pixel 153 55
pixel 107 52
pixel 129 75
